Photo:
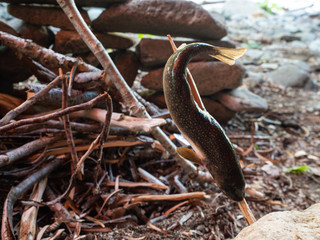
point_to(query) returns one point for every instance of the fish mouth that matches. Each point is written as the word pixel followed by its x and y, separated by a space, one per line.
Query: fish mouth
pixel 235 193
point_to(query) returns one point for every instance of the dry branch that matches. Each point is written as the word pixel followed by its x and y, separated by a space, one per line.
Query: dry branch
pixel 57 114
pixel 120 120
pixel 29 217
pixel 29 102
pixel 171 197
pixel 25 150
pixel 18 191
pixel 46 57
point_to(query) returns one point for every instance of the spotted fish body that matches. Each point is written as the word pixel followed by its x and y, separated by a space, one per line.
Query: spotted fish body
pixel 203 132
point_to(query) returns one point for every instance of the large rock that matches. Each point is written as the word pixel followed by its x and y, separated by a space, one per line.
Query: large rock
pixel 241 99
pixel 221 113
pixel 155 52
pixel 127 63
pixel 71 42
pixel 80 3
pixel 287 225
pixel 50 16
pixel 290 75
pixel 161 17
pixel 216 109
pixel 210 77
pixel 37 33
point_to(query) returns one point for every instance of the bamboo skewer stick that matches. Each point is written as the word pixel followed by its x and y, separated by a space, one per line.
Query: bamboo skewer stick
pixel 243 205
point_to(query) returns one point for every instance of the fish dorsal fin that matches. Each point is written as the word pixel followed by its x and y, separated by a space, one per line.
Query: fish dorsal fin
pixel 189 155
pixel 228 55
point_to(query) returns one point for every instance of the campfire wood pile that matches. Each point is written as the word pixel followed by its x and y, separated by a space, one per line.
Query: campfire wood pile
pixel 72 141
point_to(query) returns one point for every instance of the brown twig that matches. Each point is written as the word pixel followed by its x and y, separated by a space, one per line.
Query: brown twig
pixel 66 120
pixel 18 191
pixel 246 211
pixel 29 102
pixel 46 57
pixel 171 197
pixel 99 139
pixel 57 114
pixel 25 150
pixel 28 222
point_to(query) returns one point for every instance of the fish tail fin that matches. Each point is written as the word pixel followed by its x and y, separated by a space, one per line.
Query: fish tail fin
pixel 228 55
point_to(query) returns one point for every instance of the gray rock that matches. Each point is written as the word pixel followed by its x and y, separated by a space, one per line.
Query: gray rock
pixel 47 16
pixel 286 225
pixel 210 77
pixel 290 75
pixel 315 47
pixel 253 54
pixel 161 17
pixel 71 42
pixel 155 52
pixel 241 99
pixel 235 8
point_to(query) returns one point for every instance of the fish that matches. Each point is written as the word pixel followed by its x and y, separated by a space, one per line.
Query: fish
pixel 211 146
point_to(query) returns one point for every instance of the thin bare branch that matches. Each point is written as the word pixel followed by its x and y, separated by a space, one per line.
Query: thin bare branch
pixel 29 102
pixel 57 114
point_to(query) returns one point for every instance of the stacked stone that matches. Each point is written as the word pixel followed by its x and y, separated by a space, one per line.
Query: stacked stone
pixel 217 82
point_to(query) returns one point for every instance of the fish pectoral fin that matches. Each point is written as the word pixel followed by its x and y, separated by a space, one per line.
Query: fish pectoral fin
pixel 189 155
pixel 229 55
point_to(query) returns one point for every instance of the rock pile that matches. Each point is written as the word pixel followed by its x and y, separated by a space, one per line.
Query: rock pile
pixel 216 81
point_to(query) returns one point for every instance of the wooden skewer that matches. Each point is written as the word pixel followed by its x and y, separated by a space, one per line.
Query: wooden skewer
pixel 246 211
pixel 196 96
pixel 194 90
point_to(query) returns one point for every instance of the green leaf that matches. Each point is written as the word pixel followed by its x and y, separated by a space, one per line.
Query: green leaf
pixel 140 35
pixel 298 169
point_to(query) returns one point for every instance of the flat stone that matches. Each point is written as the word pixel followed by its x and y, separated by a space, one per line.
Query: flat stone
pixel 210 77
pixel 286 225
pixel 17 27
pixel 241 99
pixel 80 3
pixel 155 52
pixel 221 113
pixel 45 16
pixel 161 17
pixel 71 42
pixel 315 47
pixel 290 75
pixel 216 109
pixel 127 63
